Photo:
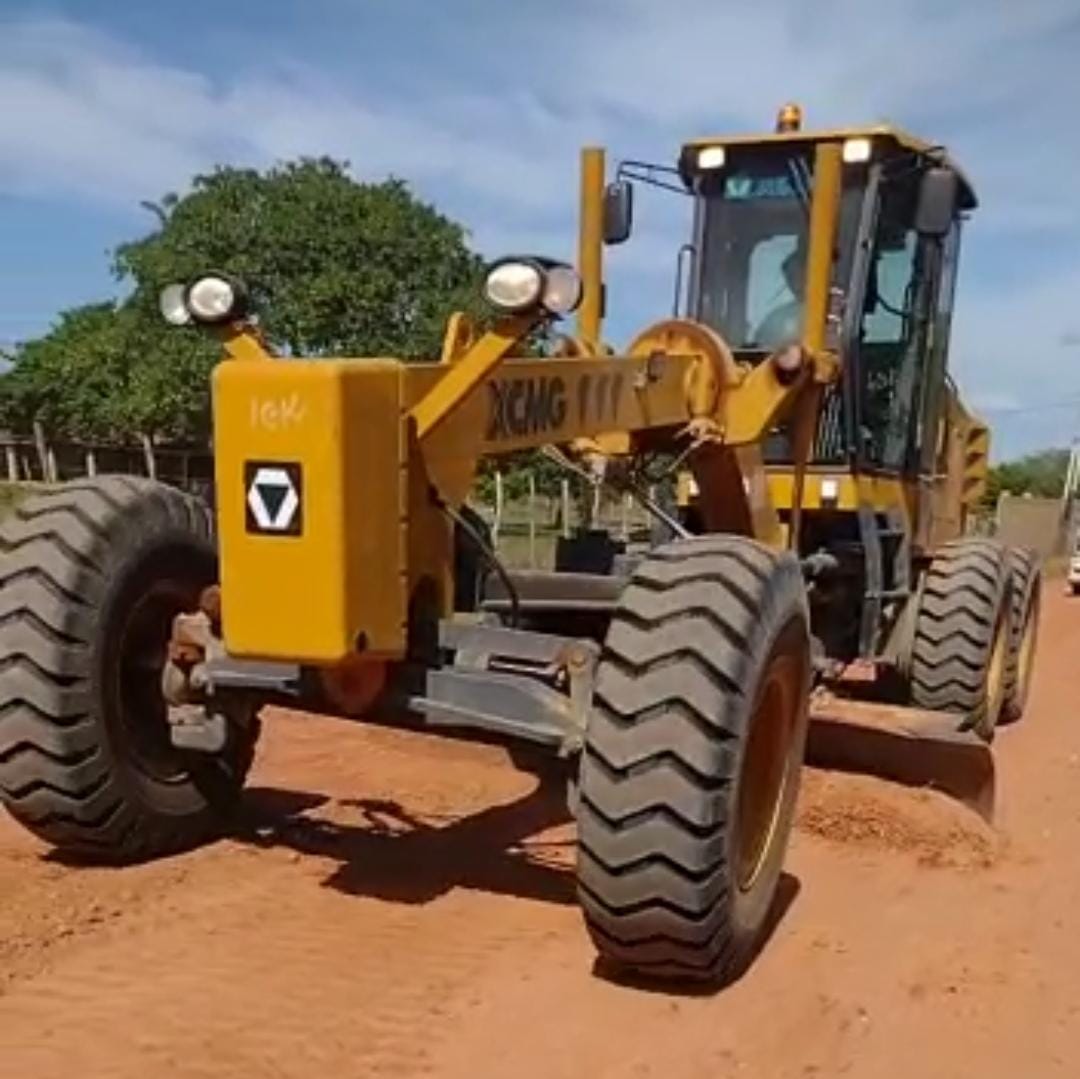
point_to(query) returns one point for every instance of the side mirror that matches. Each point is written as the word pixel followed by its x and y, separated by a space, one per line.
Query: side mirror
pixel 937 201
pixel 618 212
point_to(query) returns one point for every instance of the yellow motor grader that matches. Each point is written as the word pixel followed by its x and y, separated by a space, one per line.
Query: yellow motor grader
pixel 829 470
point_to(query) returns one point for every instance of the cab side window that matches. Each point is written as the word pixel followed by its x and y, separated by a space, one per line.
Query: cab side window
pixel 893 336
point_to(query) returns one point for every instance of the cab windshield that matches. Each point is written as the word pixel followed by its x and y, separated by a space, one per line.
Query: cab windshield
pixel 754 242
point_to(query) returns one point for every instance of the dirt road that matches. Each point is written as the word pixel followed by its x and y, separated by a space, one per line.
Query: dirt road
pixel 400 905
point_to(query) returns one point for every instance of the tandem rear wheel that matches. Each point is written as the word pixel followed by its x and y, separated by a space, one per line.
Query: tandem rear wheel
pixel 1026 604
pixel 966 653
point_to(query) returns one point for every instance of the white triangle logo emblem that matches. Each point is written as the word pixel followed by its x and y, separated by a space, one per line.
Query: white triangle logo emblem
pixel 273 499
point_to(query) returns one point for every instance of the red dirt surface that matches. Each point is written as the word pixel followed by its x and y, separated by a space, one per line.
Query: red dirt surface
pixel 397 904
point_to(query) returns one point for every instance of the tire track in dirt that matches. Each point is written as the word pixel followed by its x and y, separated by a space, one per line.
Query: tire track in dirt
pixel 265 957
pixel 400 905
pixel 253 987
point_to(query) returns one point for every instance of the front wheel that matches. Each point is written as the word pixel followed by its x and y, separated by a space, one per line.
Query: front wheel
pixel 91 577
pixel 692 756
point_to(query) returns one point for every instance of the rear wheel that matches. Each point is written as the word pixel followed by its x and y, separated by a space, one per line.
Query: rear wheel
pixel 692 756
pixel 1026 580
pixel 91 578
pixel 961 644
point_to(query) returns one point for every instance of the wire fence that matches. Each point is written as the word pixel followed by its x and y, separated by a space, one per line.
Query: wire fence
pixel 39 459
pixel 526 529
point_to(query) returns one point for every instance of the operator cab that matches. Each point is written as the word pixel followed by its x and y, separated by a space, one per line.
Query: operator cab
pixel 891 273
pixel 891 277
pixel 868 278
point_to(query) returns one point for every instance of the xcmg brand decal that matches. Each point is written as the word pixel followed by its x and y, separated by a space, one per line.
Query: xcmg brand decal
pixel 525 406
pixel 518 407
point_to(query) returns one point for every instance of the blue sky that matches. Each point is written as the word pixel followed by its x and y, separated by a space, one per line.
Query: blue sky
pixel 482 106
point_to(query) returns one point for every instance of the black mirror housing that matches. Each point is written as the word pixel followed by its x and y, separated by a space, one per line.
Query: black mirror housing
pixel 618 212
pixel 938 193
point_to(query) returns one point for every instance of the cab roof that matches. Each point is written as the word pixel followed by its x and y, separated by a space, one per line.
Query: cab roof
pixel 894 138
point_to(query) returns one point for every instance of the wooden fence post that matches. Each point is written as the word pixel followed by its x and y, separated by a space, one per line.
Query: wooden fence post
pixel 91 462
pixel 496 524
pixel 532 521
pixel 148 454
pixel 12 463
pixel 42 451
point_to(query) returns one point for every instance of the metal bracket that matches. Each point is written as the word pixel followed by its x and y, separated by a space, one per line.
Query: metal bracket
pixel 228 673
pixel 871 612
pixel 197 669
pixel 535 686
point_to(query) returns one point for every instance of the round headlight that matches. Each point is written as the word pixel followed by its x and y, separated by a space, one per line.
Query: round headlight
pixel 214 299
pixel 514 286
pixel 172 305
pixel 562 290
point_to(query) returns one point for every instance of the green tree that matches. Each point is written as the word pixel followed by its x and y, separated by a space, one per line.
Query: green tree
pixel 547 475
pixel 69 379
pixel 109 372
pixel 1041 475
pixel 335 267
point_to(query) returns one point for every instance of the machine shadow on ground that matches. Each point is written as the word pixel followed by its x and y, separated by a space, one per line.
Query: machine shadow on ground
pixel 394 854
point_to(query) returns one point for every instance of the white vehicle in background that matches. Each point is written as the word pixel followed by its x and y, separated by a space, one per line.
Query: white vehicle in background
pixel 1073 577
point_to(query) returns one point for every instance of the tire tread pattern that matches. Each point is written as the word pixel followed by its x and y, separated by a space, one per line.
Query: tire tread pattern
pixel 60 776
pixel 959 610
pixel 1026 574
pixel 662 752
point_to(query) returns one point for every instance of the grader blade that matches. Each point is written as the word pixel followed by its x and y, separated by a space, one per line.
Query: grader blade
pixel 906 745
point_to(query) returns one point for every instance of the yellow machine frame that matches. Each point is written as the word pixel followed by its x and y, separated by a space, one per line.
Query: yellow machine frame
pixel 676 680
pixel 371 549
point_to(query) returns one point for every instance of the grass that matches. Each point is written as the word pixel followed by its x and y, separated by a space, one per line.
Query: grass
pixel 514 550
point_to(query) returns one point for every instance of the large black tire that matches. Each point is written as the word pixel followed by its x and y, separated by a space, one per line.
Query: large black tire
pixel 1026 591
pixel 961 638
pixel 692 756
pixel 91 576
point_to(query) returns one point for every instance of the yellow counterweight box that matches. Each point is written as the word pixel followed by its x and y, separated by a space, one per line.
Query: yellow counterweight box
pixel 310 465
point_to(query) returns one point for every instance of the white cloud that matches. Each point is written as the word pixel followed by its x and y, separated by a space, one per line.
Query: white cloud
pixel 90 117
pixel 997 81
pixel 1014 360
pixel 82 117
pixel 96 120
pixel 1014 339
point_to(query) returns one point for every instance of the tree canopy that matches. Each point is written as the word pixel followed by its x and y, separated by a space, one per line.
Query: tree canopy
pixel 1041 475
pixel 335 267
pixel 106 371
